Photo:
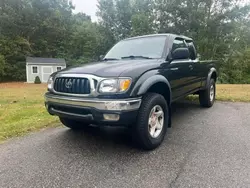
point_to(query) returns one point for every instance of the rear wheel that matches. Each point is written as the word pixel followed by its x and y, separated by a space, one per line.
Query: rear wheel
pixel 207 97
pixel 73 124
pixel 152 121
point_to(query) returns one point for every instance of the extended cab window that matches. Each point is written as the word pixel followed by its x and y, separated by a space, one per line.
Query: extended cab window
pixel 192 50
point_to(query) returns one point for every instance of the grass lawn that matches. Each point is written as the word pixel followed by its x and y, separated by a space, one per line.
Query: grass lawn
pixel 233 93
pixel 22 106
pixel 230 92
pixel 22 109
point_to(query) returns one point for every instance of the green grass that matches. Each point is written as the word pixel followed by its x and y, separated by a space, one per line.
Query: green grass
pixel 22 109
pixel 22 106
pixel 233 93
pixel 230 92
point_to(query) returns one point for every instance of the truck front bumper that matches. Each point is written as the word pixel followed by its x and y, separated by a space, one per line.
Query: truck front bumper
pixel 98 111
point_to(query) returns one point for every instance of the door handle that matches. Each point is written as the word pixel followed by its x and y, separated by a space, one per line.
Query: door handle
pixel 191 67
pixel 174 69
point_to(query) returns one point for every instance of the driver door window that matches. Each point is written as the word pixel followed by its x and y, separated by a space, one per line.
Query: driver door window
pixel 178 43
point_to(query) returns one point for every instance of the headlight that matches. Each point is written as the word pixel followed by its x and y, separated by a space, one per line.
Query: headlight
pixel 50 83
pixel 114 85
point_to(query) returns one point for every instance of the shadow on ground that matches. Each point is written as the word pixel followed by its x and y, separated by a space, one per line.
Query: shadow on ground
pixel 118 137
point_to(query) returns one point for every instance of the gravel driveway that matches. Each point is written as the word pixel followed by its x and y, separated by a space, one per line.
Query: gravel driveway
pixel 205 148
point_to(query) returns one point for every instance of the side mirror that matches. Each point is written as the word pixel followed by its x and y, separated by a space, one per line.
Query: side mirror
pixel 101 57
pixel 180 53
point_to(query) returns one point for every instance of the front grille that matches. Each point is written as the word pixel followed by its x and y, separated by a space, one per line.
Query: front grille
pixel 72 85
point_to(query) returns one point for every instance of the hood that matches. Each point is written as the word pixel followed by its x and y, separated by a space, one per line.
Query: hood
pixel 114 68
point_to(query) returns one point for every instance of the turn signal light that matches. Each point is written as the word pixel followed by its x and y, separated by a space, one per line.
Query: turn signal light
pixel 124 84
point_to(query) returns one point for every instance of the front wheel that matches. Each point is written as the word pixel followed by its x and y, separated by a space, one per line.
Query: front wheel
pixel 73 124
pixel 152 121
pixel 207 97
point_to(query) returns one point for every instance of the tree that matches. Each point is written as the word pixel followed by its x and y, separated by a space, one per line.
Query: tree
pixel 141 25
pixel 2 67
pixel 33 28
pixel 84 42
pixel 49 28
pixel 107 16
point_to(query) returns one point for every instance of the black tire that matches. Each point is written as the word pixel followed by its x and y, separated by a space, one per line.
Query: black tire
pixel 73 124
pixel 204 96
pixel 141 130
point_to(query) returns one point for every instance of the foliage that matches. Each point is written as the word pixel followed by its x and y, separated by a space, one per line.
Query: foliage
pixel 37 80
pixel 237 68
pixel 88 41
pixel 2 66
pixel 220 28
pixel 46 28
pixel 125 18
pixel 49 28
pixel 141 25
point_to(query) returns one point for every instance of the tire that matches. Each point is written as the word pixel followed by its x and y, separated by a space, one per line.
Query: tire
pixel 73 124
pixel 206 97
pixel 142 134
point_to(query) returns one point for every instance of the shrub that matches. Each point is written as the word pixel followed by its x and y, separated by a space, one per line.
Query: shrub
pixel 37 80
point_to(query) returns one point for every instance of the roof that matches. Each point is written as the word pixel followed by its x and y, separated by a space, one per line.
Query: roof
pixel 163 34
pixel 38 60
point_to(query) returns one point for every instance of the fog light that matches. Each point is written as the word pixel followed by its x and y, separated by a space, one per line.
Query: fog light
pixel 111 117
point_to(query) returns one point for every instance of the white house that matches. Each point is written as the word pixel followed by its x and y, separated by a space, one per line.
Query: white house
pixel 42 67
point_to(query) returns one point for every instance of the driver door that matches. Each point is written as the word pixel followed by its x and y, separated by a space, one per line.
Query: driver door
pixel 179 72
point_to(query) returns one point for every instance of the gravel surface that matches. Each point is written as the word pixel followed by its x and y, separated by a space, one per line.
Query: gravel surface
pixel 205 148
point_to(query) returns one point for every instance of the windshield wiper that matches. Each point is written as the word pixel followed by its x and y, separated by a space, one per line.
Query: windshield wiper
pixel 136 56
pixel 109 59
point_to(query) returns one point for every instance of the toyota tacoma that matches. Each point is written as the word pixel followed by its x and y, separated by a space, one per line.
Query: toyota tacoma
pixel 134 86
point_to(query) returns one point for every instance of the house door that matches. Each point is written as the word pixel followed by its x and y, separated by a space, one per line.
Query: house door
pixel 46 72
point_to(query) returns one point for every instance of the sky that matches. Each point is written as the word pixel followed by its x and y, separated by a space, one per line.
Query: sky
pixel 87 6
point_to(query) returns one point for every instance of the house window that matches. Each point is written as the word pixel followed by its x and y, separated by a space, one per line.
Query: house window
pixel 34 70
pixel 58 68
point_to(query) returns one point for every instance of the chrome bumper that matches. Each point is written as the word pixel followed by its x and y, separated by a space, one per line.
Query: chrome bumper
pixel 99 104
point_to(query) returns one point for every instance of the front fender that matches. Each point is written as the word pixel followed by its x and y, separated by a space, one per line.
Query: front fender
pixel 150 82
pixel 147 80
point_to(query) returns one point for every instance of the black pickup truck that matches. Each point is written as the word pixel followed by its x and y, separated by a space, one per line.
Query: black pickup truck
pixel 134 85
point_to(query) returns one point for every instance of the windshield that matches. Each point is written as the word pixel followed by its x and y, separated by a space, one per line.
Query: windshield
pixel 146 47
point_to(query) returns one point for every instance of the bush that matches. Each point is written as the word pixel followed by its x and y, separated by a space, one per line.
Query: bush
pixel 37 80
